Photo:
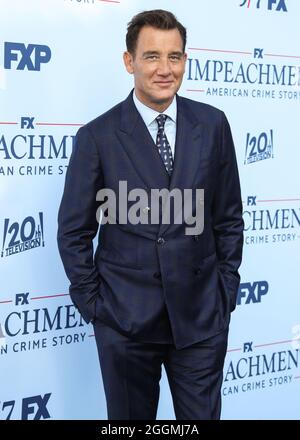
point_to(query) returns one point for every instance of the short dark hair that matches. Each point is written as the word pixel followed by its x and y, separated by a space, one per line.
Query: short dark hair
pixel 157 18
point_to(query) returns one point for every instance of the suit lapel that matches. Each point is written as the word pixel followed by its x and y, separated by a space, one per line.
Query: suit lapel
pixel 145 158
pixel 140 148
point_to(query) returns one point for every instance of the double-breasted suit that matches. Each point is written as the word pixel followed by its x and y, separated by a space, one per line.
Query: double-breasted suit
pixel 152 282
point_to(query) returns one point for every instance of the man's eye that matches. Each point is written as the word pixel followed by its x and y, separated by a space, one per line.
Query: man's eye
pixel 175 57
pixel 152 57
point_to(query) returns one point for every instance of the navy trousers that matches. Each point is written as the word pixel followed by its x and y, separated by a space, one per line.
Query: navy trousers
pixel 131 372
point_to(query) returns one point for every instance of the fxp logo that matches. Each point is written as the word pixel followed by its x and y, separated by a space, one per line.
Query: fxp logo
pixel 252 292
pixel 19 56
pixel 270 5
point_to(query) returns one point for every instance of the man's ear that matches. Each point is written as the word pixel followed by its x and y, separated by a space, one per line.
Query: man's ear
pixel 128 61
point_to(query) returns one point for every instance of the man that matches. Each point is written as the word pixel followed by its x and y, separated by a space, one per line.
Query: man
pixel 155 294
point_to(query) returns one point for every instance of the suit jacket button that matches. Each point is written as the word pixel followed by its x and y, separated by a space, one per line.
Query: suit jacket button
pixel 160 240
pixel 196 237
pixel 198 271
pixel 157 275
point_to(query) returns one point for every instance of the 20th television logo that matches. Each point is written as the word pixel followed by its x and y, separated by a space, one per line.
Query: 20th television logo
pixel 259 146
pixel 22 236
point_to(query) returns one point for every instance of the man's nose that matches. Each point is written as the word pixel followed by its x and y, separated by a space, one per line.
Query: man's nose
pixel 164 67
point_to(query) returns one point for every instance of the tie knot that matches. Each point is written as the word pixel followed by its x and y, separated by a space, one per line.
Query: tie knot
pixel 161 119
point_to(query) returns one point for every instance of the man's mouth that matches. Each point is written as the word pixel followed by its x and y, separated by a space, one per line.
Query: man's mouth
pixel 163 83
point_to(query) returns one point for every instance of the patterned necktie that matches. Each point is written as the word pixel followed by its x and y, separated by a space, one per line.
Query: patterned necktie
pixel 163 145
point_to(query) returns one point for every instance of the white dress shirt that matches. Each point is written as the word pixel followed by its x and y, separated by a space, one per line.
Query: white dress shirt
pixel 148 115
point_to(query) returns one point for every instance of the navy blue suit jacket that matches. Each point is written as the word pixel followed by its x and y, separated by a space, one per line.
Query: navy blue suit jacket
pixel 133 276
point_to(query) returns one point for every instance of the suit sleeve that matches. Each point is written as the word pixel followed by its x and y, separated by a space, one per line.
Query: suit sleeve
pixel 227 211
pixel 78 225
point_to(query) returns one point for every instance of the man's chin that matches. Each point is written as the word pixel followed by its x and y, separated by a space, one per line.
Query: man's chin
pixel 163 98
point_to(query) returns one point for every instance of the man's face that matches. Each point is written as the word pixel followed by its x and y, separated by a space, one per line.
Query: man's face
pixel 158 66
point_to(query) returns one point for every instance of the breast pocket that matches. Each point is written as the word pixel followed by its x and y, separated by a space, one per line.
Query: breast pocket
pixel 206 173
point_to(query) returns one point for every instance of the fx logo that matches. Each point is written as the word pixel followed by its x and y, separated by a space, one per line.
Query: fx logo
pixel 252 293
pixel 251 200
pixel 31 56
pixel 277 5
pixel 27 122
pixel 258 53
pixel 36 405
pixel 22 299
pixel 248 347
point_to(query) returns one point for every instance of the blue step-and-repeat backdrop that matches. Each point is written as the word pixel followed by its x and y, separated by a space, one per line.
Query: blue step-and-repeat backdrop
pixel 61 66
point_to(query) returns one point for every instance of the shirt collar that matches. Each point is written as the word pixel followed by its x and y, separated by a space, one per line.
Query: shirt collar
pixel 149 115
